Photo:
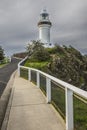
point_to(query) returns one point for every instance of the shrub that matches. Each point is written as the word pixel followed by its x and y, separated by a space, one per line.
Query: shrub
pixel 38 52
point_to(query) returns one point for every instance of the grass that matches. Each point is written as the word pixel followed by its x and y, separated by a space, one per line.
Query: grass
pixel 43 83
pixel 80 114
pixel 24 73
pixel 2 65
pixel 58 98
pixel 79 107
pixel 37 65
pixel 4 62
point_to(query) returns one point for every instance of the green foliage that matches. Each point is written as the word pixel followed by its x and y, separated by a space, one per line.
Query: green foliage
pixel 41 55
pixel 52 50
pixel 60 50
pixel 64 62
pixel 43 83
pixel 80 114
pixel 37 51
pixel 37 65
pixel 1 53
pixel 69 65
pixel 33 46
pixel 58 98
pixel 24 73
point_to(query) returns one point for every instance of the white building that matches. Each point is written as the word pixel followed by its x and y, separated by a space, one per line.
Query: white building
pixel 44 25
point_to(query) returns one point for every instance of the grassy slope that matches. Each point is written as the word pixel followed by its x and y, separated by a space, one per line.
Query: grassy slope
pixel 35 64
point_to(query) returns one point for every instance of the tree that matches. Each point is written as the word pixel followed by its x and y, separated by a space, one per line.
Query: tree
pixel 1 53
pixel 32 46
pixel 37 51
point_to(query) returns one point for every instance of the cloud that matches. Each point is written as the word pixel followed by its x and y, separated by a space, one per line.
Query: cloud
pixel 19 18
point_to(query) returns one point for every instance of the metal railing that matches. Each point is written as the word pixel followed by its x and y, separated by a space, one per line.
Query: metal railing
pixel 69 90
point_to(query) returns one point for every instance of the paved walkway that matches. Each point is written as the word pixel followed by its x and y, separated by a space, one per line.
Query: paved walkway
pixel 29 110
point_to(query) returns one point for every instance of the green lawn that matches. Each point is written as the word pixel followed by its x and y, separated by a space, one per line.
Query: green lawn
pixel 4 62
pixel 2 65
pixel 37 65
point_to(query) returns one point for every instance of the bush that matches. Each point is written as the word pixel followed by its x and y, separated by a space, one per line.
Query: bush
pixel 52 50
pixel 41 55
pixel 1 53
pixel 37 52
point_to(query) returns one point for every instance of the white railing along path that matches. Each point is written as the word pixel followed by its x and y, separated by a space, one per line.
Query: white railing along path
pixel 69 90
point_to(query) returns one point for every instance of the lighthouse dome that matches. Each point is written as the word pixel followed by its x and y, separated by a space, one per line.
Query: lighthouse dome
pixel 44 15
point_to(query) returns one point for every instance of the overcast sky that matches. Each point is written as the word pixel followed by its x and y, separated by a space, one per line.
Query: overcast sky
pixel 19 18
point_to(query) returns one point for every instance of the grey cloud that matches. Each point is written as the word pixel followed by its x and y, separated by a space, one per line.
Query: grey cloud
pixel 18 22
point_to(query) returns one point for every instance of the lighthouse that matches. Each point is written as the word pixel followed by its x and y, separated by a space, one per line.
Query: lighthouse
pixel 44 25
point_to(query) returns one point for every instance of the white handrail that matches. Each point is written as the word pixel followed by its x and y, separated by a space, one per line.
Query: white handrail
pixel 69 90
pixel 76 90
pixel 22 61
pixel 19 64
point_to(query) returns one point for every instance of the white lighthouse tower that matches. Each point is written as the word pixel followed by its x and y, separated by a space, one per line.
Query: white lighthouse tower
pixel 44 28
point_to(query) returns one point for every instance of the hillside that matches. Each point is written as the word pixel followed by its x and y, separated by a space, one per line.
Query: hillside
pixel 65 63
pixel 69 65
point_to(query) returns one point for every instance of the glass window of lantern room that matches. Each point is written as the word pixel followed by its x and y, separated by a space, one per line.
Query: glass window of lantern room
pixel 44 16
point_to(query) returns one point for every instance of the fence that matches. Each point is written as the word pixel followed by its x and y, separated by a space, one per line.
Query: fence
pixel 70 101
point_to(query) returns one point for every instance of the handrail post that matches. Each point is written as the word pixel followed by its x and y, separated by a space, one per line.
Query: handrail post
pixel 69 109
pixel 48 89
pixel 29 74
pixel 38 79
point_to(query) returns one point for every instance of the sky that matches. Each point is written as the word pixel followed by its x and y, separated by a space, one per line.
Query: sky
pixel 19 18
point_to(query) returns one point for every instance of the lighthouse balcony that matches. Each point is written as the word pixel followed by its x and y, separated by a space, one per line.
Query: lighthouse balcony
pixel 44 22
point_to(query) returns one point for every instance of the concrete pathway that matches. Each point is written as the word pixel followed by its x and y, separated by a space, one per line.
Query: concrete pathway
pixel 29 110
